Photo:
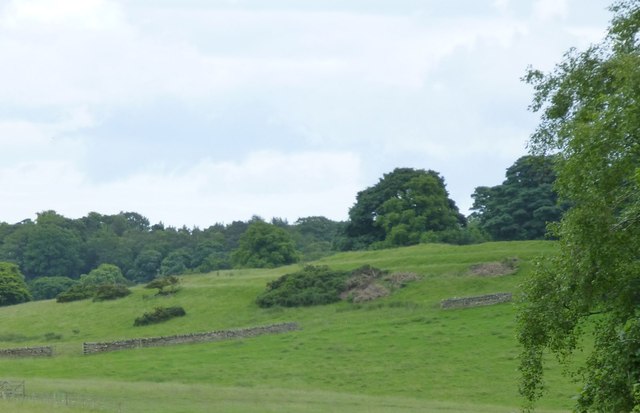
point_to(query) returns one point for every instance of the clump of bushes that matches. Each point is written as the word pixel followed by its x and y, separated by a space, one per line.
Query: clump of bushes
pixel 76 293
pixel 110 292
pixel 103 283
pixel 311 286
pixel 315 285
pixel 166 285
pixel 46 288
pixel 158 315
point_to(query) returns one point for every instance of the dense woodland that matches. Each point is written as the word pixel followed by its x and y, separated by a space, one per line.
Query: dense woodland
pixel 407 206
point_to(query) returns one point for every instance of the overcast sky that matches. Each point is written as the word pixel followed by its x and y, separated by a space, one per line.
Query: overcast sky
pixel 193 112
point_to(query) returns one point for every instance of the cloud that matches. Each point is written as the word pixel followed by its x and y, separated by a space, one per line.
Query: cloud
pixel 193 111
pixel 550 9
pixel 77 14
pixel 265 183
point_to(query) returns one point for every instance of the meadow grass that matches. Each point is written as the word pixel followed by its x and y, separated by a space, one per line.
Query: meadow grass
pixel 399 353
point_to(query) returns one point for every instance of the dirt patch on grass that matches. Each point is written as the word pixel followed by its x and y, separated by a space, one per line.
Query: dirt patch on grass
pixel 494 269
pixel 400 279
pixel 369 283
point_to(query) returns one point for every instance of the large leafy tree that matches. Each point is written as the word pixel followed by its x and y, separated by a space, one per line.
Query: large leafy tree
pixel 523 204
pixel 590 107
pixel 13 289
pixel 401 207
pixel 265 246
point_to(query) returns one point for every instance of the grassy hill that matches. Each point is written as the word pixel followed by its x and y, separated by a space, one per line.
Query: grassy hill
pixel 401 353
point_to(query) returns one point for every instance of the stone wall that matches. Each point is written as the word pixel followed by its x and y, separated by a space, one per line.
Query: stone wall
pixel 476 301
pixel 46 351
pixel 92 348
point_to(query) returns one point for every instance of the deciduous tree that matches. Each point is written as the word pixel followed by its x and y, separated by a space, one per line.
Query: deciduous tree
pixel 521 207
pixel 265 246
pixel 13 289
pixel 401 207
pixel 590 108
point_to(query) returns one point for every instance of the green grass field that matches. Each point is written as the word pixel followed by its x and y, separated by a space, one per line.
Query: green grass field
pixel 401 353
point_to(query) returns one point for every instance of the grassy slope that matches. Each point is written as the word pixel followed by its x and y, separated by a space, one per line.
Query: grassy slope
pixel 401 353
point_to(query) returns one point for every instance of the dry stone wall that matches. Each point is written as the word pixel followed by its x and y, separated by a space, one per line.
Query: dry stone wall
pixel 476 301
pixel 46 351
pixel 92 348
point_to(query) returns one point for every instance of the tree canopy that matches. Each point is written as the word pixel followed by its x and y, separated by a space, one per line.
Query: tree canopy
pixel 590 106
pixel 265 246
pixel 523 204
pixel 13 289
pixel 54 246
pixel 401 207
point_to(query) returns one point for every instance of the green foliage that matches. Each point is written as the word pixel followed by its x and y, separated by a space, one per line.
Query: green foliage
pixel 103 283
pixel 44 249
pixel 76 292
pixel 590 109
pixel 110 292
pixel 158 315
pixel 45 288
pixel 177 262
pixel 57 246
pixel 105 274
pixel 522 206
pixel 146 265
pixel 402 206
pixel 317 236
pixel 265 246
pixel 166 285
pixel 312 285
pixel 471 234
pixel 13 289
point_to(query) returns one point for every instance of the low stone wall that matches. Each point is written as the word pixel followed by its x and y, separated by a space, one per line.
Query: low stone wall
pixel 46 351
pixel 92 348
pixel 477 301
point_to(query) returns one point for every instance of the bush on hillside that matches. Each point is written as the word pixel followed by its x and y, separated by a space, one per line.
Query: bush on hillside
pixel 110 292
pixel 166 285
pixel 158 315
pixel 76 293
pixel 104 274
pixel 312 285
pixel 46 288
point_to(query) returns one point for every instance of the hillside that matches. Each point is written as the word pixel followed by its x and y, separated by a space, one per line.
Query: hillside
pixel 400 353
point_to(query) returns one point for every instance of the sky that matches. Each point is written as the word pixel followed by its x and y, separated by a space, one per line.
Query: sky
pixel 195 112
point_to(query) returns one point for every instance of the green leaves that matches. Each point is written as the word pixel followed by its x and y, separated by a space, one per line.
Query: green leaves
pixel 591 114
pixel 13 289
pixel 265 246
pixel 401 207
pixel 522 206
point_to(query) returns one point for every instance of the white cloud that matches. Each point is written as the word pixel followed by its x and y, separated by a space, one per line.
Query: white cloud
pixel 550 9
pixel 501 5
pixel 266 183
pixel 346 92
pixel 78 14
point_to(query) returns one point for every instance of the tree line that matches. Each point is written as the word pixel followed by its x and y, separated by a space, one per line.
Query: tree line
pixel 406 206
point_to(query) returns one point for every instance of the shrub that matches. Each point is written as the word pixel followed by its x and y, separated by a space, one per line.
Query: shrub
pixel 45 288
pixel 104 274
pixel 110 292
pixel 158 315
pixel 311 286
pixel 76 293
pixel 166 285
